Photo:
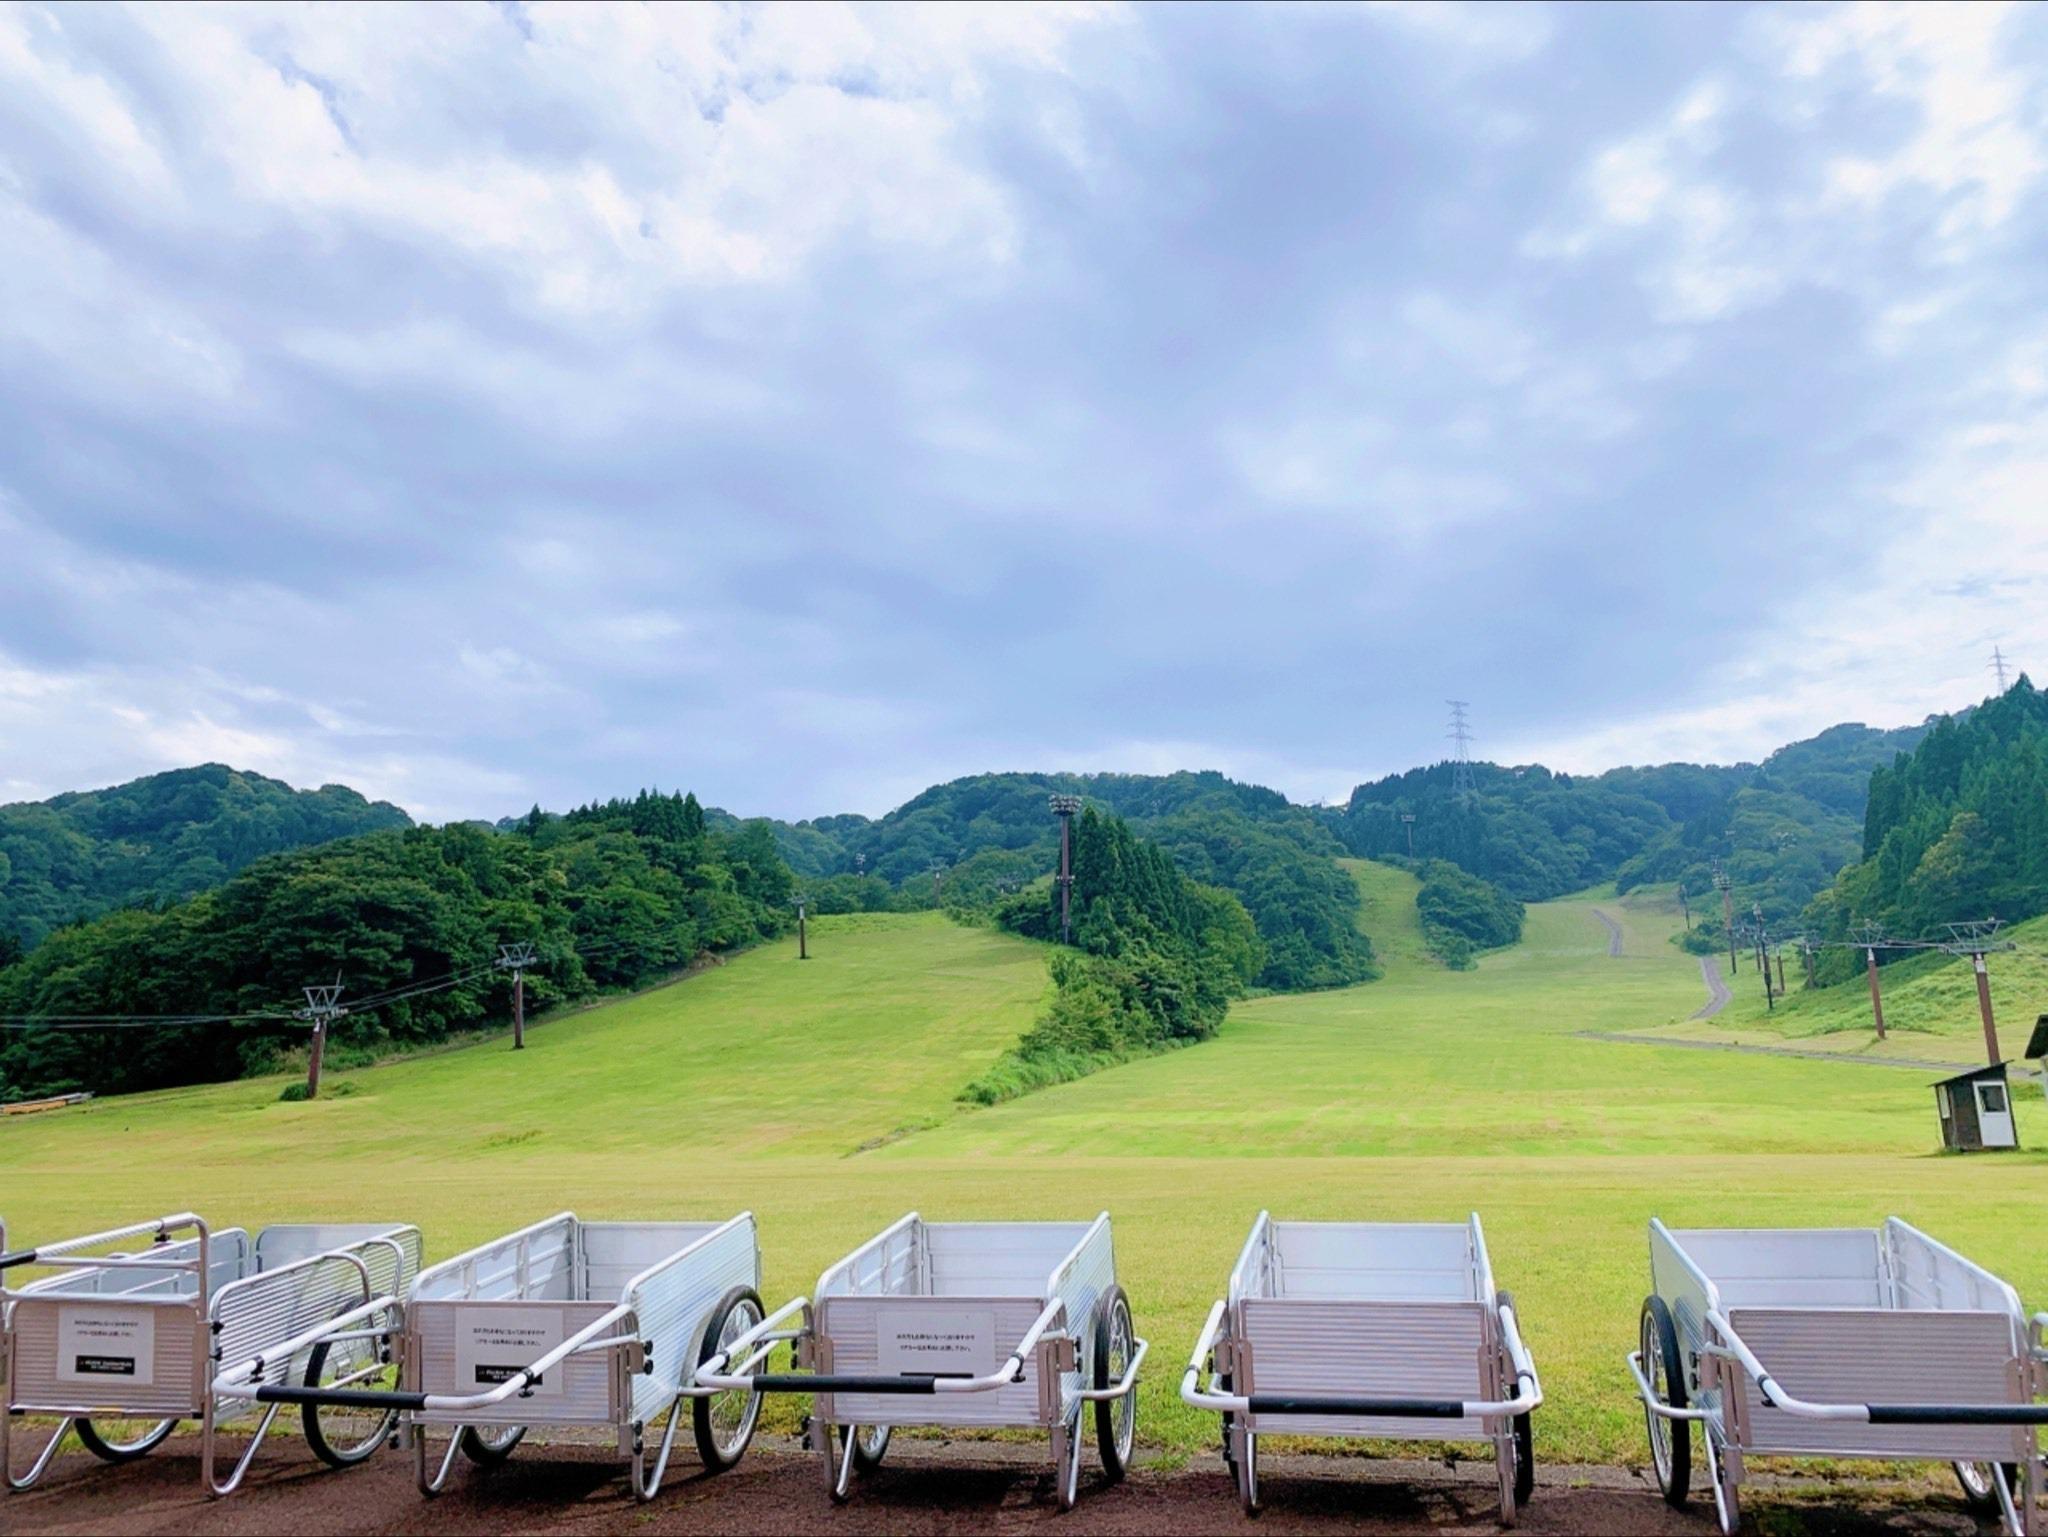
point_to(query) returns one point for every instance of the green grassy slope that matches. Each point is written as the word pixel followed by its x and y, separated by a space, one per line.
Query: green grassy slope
pixel 1422 1096
pixel 1930 1006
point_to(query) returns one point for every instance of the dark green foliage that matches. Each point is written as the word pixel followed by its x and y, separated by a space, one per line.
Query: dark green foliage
pixel 611 896
pixel 992 832
pixel 1956 830
pixel 159 839
pixel 1462 914
pixel 1159 959
pixel 1782 827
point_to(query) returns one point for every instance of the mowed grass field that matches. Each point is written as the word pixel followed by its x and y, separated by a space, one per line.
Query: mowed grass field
pixel 819 1094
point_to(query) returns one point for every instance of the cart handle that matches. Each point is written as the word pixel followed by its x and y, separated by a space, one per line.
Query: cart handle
pixel 1193 1395
pixel 64 1252
pixel 1124 1384
pixel 1655 1405
pixel 1871 1414
pixel 711 1372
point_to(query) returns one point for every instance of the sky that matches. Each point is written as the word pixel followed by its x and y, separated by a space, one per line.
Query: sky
pixel 490 405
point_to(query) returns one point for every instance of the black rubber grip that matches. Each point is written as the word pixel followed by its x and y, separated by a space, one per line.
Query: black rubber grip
pixel 18 1257
pixel 1959 1414
pixel 1392 1408
pixel 351 1398
pixel 801 1382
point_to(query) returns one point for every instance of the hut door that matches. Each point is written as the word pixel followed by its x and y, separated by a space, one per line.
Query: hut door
pixel 1994 1114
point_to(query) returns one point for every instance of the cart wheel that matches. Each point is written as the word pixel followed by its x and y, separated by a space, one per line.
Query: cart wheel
pixel 724 1422
pixel 342 1435
pixel 1980 1489
pixel 489 1445
pixel 1248 1476
pixel 1525 1452
pixel 1229 1420
pixel 870 1445
pixel 117 1440
pixel 1670 1440
pixel 1116 1420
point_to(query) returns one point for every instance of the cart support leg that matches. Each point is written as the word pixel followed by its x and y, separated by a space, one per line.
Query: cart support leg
pixel 209 1438
pixel 43 1460
pixel 1066 1460
pixel 433 1484
pixel 1504 1466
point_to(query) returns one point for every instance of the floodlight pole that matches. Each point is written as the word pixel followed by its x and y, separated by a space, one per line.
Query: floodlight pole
pixel 322 1009
pixel 515 959
pixel 1064 807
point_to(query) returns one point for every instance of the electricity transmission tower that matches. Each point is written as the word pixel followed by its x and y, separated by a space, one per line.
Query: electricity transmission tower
pixel 1064 807
pixel 1461 760
pixel 1997 665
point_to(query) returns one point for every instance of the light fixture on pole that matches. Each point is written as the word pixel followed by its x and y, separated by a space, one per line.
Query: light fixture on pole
pixel 1065 807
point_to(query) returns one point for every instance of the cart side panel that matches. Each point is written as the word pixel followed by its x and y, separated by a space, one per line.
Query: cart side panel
pixel 1789 1267
pixel 672 1309
pixel 491 1337
pixel 134 1355
pixel 884 1266
pixel 997 1259
pixel 1878 1356
pixel 1372 1348
pixel 537 1265
pixel 615 1252
pixel 286 1243
pixel 1687 1293
pixel 227 1258
pixel 262 1311
pixel 862 1330
pixel 1411 1262
pixel 1079 1283
pixel 1926 1274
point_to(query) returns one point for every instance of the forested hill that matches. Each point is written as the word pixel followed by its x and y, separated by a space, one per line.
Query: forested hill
pixel 1782 828
pixel 990 833
pixel 1954 832
pixel 158 839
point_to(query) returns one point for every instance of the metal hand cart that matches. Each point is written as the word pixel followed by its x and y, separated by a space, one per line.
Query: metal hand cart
pixel 1391 1330
pixel 120 1345
pixel 1018 1324
pixel 1838 1342
pixel 569 1323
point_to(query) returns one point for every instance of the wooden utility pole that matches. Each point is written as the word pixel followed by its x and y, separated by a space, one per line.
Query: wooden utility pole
pixel 321 1010
pixel 1781 971
pixel 803 943
pixel 1876 1002
pixel 1806 948
pixel 1727 912
pixel 1682 902
pixel 1984 1008
pixel 515 959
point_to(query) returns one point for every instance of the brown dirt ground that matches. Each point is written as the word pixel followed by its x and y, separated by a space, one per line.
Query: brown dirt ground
pixel 926 1487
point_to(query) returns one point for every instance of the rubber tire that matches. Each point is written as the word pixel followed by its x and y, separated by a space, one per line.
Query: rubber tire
pixel 1524 1433
pixel 316 1438
pixel 708 1451
pixel 90 1440
pixel 1986 1504
pixel 1656 1320
pixel 1113 1461
pixel 482 1452
pixel 865 1462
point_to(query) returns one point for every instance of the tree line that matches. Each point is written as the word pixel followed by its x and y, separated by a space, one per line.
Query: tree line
pixel 612 895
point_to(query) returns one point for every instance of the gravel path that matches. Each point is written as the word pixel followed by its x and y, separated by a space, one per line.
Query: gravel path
pixel 1613 932
pixel 1916 1064
pixel 1717 990
pixel 928 1488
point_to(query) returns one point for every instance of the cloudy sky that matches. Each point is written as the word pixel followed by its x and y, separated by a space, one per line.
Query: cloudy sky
pixel 483 405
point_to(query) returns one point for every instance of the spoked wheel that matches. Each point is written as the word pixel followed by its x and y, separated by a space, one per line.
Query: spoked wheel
pixel 342 1435
pixel 489 1445
pixel 1980 1489
pixel 1525 1453
pixel 122 1440
pixel 1670 1440
pixel 724 1422
pixel 870 1445
pixel 1116 1419
pixel 1248 1475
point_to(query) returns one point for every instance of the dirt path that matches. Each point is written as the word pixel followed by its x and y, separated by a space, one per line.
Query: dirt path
pixel 1718 995
pixel 1613 932
pixel 931 1488
pixel 1778 1051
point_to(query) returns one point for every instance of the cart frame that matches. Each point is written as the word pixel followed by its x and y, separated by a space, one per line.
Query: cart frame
pixel 1441 1320
pixel 893 1280
pixel 1866 1311
pixel 619 1364
pixel 217 1335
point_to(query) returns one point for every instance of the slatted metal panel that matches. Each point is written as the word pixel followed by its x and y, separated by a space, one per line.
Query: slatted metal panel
pixel 179 1344
pixel 1375 1348
pixel 586 1380
pixel 673 1306
pixel 260 1312
pixel 996 1259
pixel 853 1325
pixel 1925 1274
pixel 1874 1355
pixel 1080 1286
pixel 1404 1261
pixel 539 1264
